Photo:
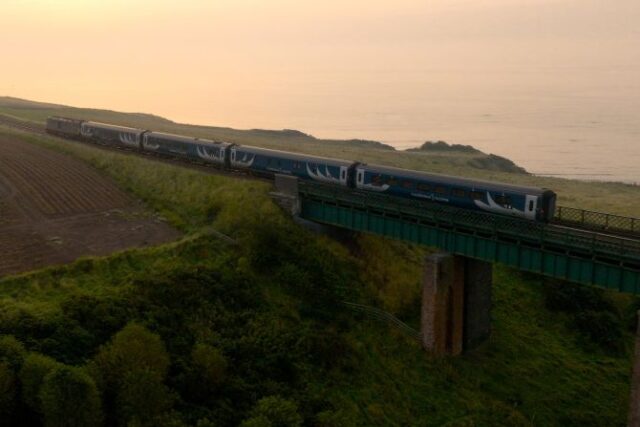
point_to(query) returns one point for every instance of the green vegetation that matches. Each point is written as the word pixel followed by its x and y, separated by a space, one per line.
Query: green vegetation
pixel 201 332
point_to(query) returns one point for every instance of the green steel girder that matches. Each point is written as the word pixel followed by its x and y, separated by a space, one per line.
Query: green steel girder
pixel 571 255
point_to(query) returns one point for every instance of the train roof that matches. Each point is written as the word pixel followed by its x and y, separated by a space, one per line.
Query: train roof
pixel 182 138
pixel 113 127
pixel 453 180
pixel 295 156
pixel 64 119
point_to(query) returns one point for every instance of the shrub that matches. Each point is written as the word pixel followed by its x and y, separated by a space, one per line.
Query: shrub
pixel 258 421
pixel 573 298
pixel 277 411
pixel 34 369
pixel 133 348
pixel 602 328
pixel 210 363
pixel 205 422
pixel 12 351
pixel 142 398
pixel 7 391
pixel 70 398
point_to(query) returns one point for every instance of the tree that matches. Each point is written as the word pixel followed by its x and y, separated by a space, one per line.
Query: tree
pixel 277 411
pixel 134 348
pixel 70 398
pixel 12 351
pixel 34 369
pixel 258 421
pixel 130 371
pixel 7 391
pixel 142 398
pixel 210 363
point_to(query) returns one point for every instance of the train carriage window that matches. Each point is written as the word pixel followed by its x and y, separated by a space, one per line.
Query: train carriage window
pixel 504 201
pixel 477 195
pixel 422 186
pixel 392 181
pixel 459 192
pixel 407 184
pixel 377 180
pixel 530 205
pixel 344 174
pixel 442 190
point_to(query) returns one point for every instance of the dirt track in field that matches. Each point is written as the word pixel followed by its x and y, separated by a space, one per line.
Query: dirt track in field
pixel 54 209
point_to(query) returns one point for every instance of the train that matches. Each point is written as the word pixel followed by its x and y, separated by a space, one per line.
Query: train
pixel 525 202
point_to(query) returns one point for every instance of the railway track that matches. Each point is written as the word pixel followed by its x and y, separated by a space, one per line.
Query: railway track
pixel 37 128
pixel 22 124
pixel 581 220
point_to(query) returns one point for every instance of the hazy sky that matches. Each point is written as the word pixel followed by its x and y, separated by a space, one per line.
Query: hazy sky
pixel 275 63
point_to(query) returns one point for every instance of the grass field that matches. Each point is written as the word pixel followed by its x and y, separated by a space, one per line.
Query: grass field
pixel 538 368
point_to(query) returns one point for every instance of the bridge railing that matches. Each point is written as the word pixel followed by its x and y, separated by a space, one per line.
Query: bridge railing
pixel 615 248
pixel 597 221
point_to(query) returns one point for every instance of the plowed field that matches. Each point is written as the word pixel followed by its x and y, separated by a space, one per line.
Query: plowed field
pixel 54 209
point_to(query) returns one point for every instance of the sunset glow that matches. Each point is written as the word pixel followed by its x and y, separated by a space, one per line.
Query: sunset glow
pixel 255 63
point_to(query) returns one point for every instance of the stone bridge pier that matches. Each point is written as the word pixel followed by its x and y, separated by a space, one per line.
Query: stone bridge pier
pixel 456 303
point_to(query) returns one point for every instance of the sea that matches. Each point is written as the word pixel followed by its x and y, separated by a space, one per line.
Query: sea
pixel 566 122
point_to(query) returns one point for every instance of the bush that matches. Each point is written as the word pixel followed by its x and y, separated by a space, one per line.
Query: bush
pixel 70 398
pixel 258 421
pixel 101 316
pixel 142 398
pixel 602 328
pixel 593 315
pixel 7 391
pixel 134 348
pixel 277 411
pixel 573 298
pixel 12 351
pixel 210 363
pixel 34 369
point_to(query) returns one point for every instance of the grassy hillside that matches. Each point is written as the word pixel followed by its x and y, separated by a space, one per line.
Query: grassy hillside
pixel 253 332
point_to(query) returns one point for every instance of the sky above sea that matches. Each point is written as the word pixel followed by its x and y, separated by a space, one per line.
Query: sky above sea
pixel 552 84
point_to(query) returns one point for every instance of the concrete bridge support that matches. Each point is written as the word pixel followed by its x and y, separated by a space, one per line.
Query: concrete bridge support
pixel 286 194
pixel 456 303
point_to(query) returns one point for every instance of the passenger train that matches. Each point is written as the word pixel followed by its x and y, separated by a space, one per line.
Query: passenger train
pixel 531 203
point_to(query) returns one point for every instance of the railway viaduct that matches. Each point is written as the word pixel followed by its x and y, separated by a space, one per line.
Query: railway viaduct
pixel 579 246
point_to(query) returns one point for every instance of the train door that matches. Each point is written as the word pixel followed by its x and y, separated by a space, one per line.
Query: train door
pixel 531 207
pixel 548 207
pixel 359 178
pixel 233 156
pixel 343 175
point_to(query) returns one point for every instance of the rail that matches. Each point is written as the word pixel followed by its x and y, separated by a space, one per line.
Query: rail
pixel 597 221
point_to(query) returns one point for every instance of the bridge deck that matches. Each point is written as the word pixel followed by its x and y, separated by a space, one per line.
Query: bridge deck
pixel 578 255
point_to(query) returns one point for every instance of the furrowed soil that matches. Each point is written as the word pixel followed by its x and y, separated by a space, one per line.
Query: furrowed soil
pixel 54 209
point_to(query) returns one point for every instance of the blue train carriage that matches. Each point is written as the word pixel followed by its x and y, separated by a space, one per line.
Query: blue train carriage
pixel 536 204
pixel 111 134
pixel 266 162
pixel 63 126
pixel 203 150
